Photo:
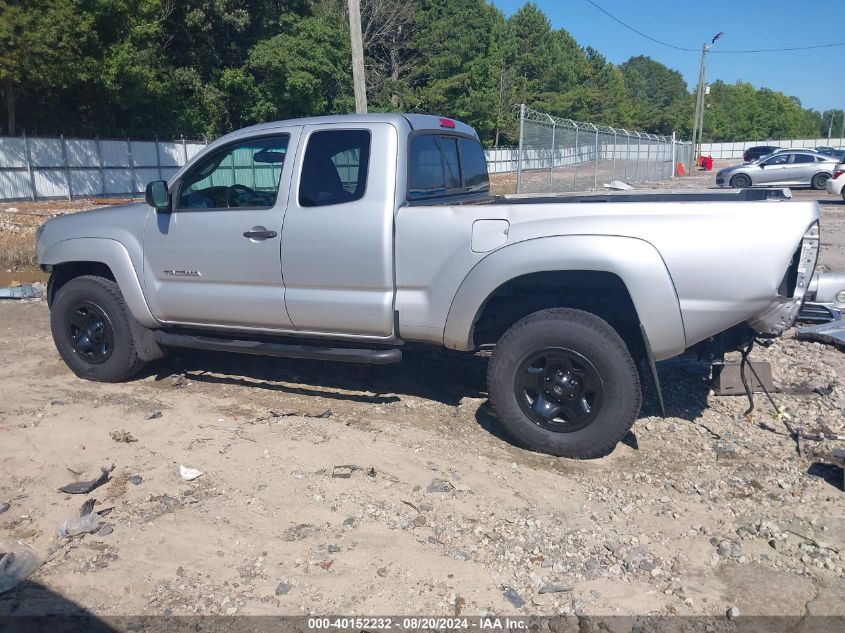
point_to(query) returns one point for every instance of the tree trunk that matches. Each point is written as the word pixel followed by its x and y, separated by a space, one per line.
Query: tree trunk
pixel 394 73
pixel 9 92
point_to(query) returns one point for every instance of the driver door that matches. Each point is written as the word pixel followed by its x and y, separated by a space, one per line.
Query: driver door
pixel 215 259
pixel 774 170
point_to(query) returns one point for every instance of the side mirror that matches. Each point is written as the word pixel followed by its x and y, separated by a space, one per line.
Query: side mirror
pixel 157 196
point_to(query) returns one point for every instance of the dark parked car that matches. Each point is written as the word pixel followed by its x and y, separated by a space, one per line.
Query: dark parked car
pixel 832 151
pixel 753 153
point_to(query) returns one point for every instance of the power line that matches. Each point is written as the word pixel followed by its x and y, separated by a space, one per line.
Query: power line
pixel 780 50
pixel 720 52
pixel 648 37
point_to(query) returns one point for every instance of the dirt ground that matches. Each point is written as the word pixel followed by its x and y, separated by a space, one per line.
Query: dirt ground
pixel 440 513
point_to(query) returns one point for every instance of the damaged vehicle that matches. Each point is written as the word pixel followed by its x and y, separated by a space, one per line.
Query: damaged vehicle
pixel 341 238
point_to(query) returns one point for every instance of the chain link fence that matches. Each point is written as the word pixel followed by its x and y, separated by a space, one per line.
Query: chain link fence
pixel 557 155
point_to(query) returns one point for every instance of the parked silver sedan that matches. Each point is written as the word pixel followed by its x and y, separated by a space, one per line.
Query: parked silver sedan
pixel 793 168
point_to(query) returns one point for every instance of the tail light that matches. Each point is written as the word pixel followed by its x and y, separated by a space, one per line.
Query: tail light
pixel 447 123
pixel 838 173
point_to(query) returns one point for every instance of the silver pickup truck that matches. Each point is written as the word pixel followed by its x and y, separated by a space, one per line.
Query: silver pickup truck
pixel 341 238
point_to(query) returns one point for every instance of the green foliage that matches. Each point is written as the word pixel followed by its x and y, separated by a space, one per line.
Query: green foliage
pixel 170 67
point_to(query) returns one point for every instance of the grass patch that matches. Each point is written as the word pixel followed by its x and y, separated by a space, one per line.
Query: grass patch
pixel 17 249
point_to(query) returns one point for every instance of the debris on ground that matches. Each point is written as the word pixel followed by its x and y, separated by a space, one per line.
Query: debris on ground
pixel 342 472
pixel 440 485
pixel 20 292
pixel 84 487
pixel 135 480
pixel 289 413
pixel 189 474
pixel 4 507
pixel 282 589
pixel 79 525
pixel 300 532
pixel 123 437
pixel 178 381
pixel 153 415
pixel 17 561
pixel 832 333
pixel 618 185
pixel 513 597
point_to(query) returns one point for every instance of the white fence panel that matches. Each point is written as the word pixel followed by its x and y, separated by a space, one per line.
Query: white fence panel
pixel 14 184
pixel 170 154
pixel 50 183
pixel 82 153
pixel 733 150
pixel 85 182
pixel 144 153
pixel 12 152
pixel 46 152
pixel 142 177
pixel 117 181
pixel 114 153
pixel 32 168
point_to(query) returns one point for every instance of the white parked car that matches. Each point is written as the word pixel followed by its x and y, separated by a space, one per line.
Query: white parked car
pixel 836 183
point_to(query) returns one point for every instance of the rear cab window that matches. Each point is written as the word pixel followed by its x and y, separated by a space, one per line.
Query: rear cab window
pixel 334 170
pixel 442 165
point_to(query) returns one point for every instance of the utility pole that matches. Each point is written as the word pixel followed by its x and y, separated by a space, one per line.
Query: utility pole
pixel 830 128
pixel 359 79
pixel 842 130
pixel 698 117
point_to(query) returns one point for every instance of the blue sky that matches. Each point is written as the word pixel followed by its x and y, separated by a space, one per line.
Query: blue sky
pixel 812 76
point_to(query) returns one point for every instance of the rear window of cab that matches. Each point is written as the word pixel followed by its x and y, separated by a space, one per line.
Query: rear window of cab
pixel 445 165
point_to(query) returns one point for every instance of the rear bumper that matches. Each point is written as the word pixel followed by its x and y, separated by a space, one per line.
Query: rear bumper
pixel 835 186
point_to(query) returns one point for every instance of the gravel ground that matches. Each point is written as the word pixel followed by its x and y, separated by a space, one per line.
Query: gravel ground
pixel 439 513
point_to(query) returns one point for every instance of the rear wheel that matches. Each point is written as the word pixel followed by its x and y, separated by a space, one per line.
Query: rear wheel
pixel 820 181
pixel 740 181
pixel 563 382
pixel 92 329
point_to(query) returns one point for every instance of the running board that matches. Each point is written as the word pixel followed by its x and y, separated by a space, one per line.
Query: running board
pixel 283 350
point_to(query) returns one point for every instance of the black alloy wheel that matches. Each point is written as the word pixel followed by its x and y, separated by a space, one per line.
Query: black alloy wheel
pixel 91 332
pixel 559 389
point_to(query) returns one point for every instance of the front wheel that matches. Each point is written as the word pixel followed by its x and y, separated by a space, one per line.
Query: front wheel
pixel 92 329
pixel 740 181
pixel 563 382
pixel 820 181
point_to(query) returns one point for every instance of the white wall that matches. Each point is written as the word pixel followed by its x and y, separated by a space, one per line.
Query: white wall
pixel 32 168
pixel 733 149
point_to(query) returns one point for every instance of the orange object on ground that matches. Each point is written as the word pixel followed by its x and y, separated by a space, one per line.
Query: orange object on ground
pixel 680 171
pixel 707 163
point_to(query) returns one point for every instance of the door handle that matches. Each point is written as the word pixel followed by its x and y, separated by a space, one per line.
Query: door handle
pixel 259 233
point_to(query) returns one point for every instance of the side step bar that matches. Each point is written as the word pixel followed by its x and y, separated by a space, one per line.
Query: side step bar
pixel 259 348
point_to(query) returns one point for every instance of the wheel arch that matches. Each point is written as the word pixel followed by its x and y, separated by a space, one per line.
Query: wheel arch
pixel 69 259
pixel 568 271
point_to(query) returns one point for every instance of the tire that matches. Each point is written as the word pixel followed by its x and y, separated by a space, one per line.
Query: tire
pixel 579 348
pixel 92 330
pixel 740 181
pixel 819 181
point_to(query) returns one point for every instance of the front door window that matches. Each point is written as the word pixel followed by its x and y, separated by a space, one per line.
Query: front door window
pixel 244 174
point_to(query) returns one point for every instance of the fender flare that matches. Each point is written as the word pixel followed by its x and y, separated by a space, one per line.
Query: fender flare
pixel 636 262
pixel 112 254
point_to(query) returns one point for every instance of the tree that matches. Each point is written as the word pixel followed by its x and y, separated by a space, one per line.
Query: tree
pixel 659 95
